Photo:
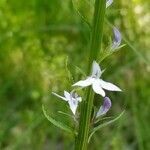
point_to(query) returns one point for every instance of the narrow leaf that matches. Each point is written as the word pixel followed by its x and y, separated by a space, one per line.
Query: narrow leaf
pixel 65 114
pixel 108 52
pixel 103 125
pixel 102 119
pixel 80 71
pixel 58 124
pixel 85 9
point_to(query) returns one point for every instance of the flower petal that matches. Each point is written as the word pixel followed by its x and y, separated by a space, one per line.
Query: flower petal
pixel 84 83
pixel 117 38
pixel 60 96
pixel 96 70
pixel 73 104
pixel 67 95
pixel 97 88
pixel 108 86
pixel 108 3
pixel 104 108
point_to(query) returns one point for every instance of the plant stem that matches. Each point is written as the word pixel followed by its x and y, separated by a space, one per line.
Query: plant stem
pixel 97 31
pixel 87 105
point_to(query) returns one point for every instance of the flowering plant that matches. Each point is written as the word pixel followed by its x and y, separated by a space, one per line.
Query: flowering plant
pixel 86 122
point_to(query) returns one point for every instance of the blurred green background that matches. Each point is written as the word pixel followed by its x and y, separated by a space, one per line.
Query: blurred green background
pixel 37 37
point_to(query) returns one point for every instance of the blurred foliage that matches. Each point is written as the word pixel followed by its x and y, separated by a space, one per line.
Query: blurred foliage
pixel 36 39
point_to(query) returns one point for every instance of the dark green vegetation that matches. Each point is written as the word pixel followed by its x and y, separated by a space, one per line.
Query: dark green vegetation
pixel 37 37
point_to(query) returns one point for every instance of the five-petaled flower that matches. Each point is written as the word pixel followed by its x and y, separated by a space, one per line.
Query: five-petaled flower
pixel 97 84
pixel 104 108
pixel 72 98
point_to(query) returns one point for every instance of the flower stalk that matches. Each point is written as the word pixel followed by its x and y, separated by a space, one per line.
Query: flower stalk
pixel 95 47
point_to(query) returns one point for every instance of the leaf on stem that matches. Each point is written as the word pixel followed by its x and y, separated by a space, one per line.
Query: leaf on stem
pixel 103 125
pixel 85 9
pixel 80 71
pixel 65 114
pixel 57 123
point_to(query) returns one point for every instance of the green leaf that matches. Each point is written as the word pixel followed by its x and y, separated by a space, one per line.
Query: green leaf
pixel 65 114
pixel 103 125
pixel 108 52
pixel 57 123
pixel 79 70
pixel 121 46
pixel 85 9
pixel 102 119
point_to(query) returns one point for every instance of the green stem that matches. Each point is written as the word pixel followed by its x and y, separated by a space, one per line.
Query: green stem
pixel 87 105
pixel 97 31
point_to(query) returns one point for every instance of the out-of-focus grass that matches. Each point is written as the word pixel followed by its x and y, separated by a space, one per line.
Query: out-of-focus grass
pixel 35 39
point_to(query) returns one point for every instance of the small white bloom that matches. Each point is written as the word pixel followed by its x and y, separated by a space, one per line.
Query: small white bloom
pixel 97 83
pixel 72 98
pixel 108 3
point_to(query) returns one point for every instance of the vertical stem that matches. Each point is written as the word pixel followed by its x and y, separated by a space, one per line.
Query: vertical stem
pixel 97 30
pixel 87 105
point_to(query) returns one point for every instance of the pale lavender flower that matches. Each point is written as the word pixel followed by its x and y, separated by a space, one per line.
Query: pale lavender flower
pixel 104 108
pixel 108 3
pixel 117 38
pixel 72 98
pixel 97 83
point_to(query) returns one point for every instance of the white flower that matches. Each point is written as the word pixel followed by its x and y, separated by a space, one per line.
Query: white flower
pixel 72 98
pixel 97 83
pixel 104 108
pixel 108 3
